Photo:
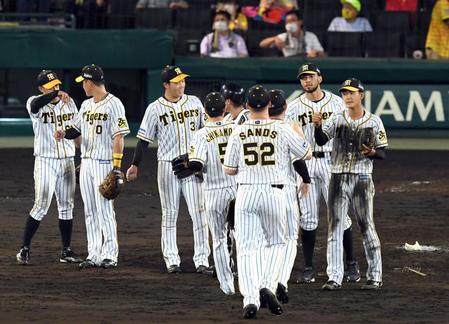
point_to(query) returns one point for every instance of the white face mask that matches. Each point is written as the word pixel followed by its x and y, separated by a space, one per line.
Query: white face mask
pixel 220 26
pixel 291 27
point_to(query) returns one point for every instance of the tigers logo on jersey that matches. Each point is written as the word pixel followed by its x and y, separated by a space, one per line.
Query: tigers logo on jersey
pixel 179 117
pixel 49 117
pixel 122 123
pixel 306 118
pixel 90 117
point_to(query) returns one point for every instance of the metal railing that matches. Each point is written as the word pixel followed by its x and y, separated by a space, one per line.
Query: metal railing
pixel 36 20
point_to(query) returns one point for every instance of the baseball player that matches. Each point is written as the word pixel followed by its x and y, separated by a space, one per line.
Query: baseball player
pixel 259 153
pixel 314 100
pixel 207 153
pixel 234 98
pixel 102 126
pixel 172 120
pixel 359 137
pixel 54 169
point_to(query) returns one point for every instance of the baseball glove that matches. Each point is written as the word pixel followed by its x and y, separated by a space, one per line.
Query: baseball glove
pixel 180 166
pixel 230 217
pixel 112 185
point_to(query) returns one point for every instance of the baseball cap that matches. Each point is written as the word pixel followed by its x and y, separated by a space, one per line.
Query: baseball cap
pixel 214 104
pixel 277 98
pixel 47 79
pixel 91 72
pixel 258 97
pixel 308 68
pixel 352 84
pixel 172 73
pixel 234 92
pixel 354 3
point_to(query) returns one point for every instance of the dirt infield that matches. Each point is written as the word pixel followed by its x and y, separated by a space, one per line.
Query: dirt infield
pixel 411 204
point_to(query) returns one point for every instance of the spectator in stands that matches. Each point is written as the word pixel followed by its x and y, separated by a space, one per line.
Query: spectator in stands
pixel 296 41
pixel 271 11
pixel 172 4
pixel 437 42
pixel 31 6
pixel 222 42
pixel 95 14
pixel 75 7
pixel 238 19
pixel 349 20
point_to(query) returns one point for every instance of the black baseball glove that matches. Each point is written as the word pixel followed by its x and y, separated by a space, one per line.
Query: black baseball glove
pixel 180 166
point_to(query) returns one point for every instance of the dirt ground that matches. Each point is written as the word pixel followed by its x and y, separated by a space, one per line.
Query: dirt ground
pixel 411 204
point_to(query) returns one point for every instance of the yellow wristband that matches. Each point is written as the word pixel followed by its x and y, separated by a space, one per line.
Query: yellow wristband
pixel 117 160
pixel 117 156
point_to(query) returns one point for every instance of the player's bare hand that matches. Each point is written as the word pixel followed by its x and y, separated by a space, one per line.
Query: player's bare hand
pixel 317 119
pixel 367 150
pixel 280 44
pixel 131 173
pixel 303 189
pixel 63 96
pixel 59 134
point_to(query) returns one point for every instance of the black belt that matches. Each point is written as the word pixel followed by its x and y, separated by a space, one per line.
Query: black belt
pixel 277 186
pixel 318 154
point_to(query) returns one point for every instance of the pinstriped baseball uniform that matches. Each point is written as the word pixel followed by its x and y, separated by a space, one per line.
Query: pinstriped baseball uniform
pixel 242 117
pixel 98 124
pixel 173 125
pixel 301 110
pixel 261 152
pixel 351 182
pixel 54 168
pixel 208 147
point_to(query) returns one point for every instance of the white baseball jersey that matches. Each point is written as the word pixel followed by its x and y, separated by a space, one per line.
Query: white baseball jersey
pixel 46 121
pixel 301 110
pixel 349 135
pixel 262 150
pixel 172 124
pixel 242 117
pixel 99 123
pixel 208 147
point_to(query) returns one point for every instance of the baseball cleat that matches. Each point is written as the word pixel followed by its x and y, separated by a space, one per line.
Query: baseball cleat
pixel 68 256
pixel 331 285
pixel 307 276
pixel 372 285
pixel 108 264
pixel 174 269
pixel 23 257
pixel 352 273
pixel 206 270
pixel 87 264
pixel 281 294
pixel 272 302
pixel 250 311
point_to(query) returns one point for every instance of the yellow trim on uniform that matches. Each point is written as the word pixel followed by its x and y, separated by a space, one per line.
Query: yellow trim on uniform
pixel 140 136
pixel 180 77
pixel 308 72
pixel 79 79
pixel 124 131
pixel 197 160
pixel 51 84
pixel 353 89
pixel 230 167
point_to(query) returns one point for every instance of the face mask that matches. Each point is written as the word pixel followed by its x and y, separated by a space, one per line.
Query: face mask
pixel 220 26
pixel 347 14
pixel 291 27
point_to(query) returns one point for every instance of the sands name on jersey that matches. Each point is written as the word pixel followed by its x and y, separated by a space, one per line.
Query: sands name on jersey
pixel 259 131
pixel 306 118
pixel 91 117
pixel 49 117
pixel 180 116
pixel 216 133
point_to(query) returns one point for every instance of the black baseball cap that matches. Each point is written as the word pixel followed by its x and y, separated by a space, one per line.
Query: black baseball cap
pixel 91 72
pixel 258 97
pixel 277 98
pixel 352 84
pixel 308 68
pixel 234 92
pixel 47 79
pixel 172 73
pixel 214 104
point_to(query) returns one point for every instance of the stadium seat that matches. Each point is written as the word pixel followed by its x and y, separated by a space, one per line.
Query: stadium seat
pixel 160 18
pixel 381 44
pixel 200 19
pixel 187 41
pixel 345 44
pixel 414 42
pixel 393 21
pixel 254 37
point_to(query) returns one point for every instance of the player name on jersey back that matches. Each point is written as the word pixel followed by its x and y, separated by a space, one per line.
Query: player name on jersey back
pixel 46 121
pixel 262 150
pixel 209 147
pixel 172 124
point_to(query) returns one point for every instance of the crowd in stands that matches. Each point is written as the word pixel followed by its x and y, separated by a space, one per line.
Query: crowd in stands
pixel 240 28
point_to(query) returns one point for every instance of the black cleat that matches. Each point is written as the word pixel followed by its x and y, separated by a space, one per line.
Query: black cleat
pixel 281 294
pixel 250 311
pixel 352 273
pixel 23 257
pixel 331 285
pixel 307 276
pixel 108 264
pixel 68 256
pixel 87 264
pixel 206 270
pixel 273 303
pixel 174 269
pixel 372 285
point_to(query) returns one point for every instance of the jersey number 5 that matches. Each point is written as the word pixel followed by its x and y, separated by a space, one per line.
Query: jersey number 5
pixel 255 152
pixel 222 151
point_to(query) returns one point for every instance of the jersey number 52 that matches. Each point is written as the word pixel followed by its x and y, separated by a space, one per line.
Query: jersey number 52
pixel 259 152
